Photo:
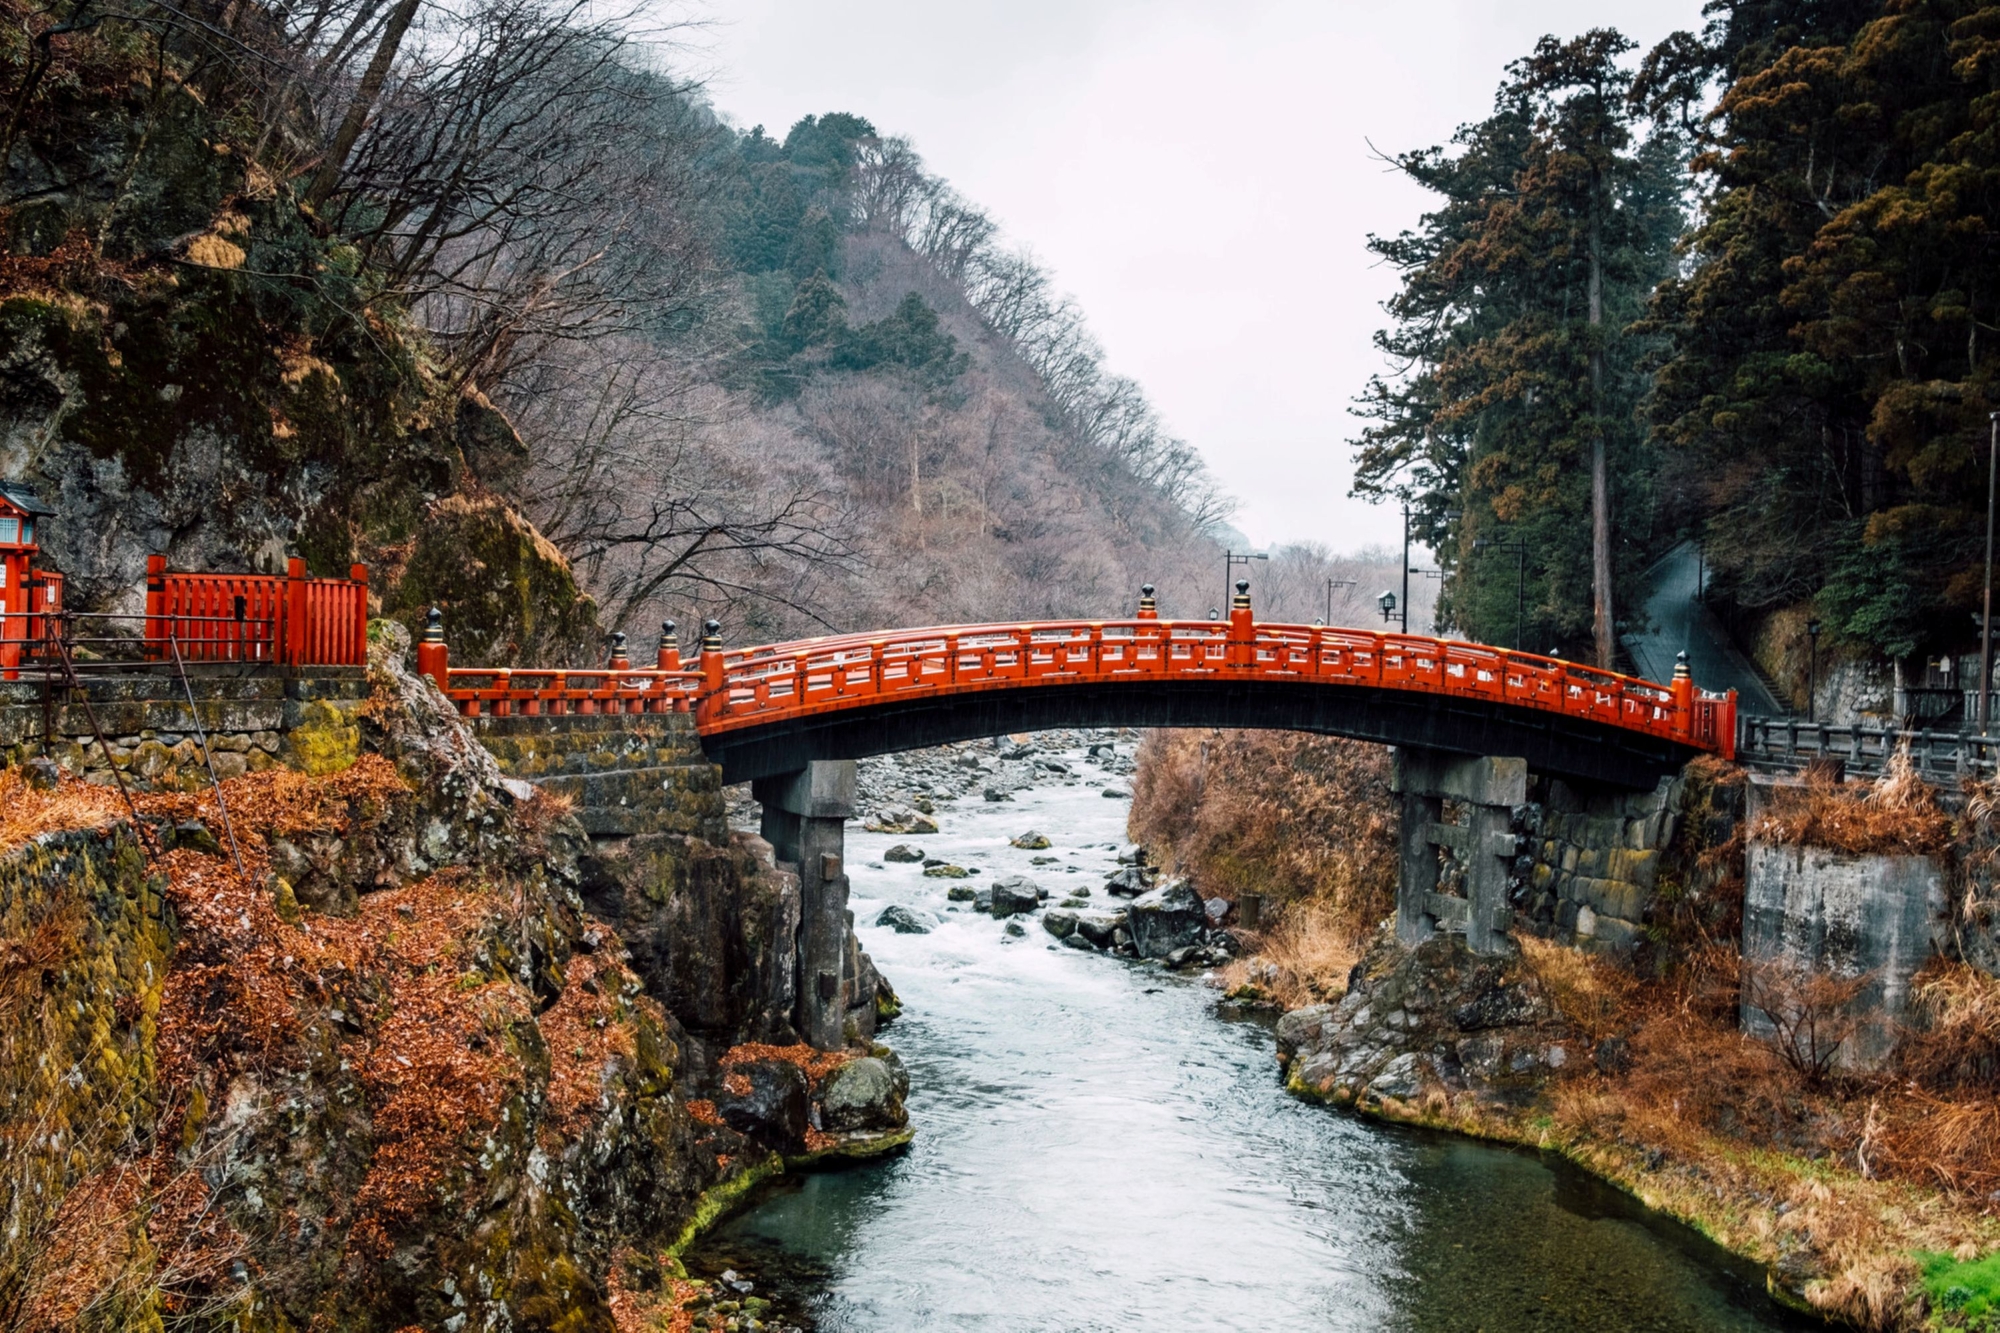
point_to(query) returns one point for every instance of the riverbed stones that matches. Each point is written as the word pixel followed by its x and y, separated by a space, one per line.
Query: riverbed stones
pixel 946 871
pixel 1165 919
pixel 1014 895
pixel 1129 882
pixel 901 821
pixel 960 893
pixel 903 854
pixel 1031 841
pixel 904 920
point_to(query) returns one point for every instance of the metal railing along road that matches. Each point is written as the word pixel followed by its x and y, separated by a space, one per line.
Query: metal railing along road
pixel 1791 744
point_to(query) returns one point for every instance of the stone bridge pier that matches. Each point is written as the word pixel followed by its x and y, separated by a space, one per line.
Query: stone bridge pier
pixel 805 821
pixel 1487 790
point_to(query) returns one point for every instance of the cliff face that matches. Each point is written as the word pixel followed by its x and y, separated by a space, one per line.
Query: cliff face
pixel 191 362
pixel 447 1097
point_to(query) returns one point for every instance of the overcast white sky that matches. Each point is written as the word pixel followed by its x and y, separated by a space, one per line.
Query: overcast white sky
pixel 1197 175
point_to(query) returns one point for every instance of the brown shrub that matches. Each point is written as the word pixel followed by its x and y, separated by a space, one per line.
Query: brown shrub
pixel 1593 993
pixel 1811 1012
pixel 1898 813
pixel 1285 815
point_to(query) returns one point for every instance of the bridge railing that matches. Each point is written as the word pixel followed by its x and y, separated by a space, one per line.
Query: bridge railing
pixel 616 688
pixel 743 687
pixel 754 686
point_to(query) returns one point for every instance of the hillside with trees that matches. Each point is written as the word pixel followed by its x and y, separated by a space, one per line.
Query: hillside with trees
pixel 491 299
pixel 1786 222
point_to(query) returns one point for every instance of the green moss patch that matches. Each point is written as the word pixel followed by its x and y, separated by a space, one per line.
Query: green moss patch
pixel 1964 1295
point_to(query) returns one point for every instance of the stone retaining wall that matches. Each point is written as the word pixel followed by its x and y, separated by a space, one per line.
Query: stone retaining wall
pixel 308 723
pixel 1591 861
pixel 627 773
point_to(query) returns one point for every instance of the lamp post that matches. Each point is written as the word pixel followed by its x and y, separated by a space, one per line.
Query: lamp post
pixel 1331 584
pixel 1986 612
pixel 1230 560
pixel 1387 601
pixel 1520 550
pixel 1812 671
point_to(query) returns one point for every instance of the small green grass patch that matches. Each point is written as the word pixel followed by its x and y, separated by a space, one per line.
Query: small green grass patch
pixel 1964 1295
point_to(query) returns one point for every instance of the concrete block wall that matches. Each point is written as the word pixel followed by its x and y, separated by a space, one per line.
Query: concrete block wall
pixel 310 723
pixel 628 774
pixel 1591 861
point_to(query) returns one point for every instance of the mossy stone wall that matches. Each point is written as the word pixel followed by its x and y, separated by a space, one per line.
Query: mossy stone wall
pixel 310 723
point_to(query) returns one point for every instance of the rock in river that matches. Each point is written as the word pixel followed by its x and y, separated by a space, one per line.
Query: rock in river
pixel 903 920
pixel 766 1100
pixel 904 853
pixel 960 893
pixel 1014 894
pixel 1168 918
pixel 946 871
pixel 862 1094
pixel 1032 841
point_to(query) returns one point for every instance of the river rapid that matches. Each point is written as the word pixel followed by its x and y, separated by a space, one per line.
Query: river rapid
pixel 1097 1150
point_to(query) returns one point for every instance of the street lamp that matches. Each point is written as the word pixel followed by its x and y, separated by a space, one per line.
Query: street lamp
pixel 1230 560
pixel 1812 671
pixel 1520 550
pixel 1331 584
pixel 1387 601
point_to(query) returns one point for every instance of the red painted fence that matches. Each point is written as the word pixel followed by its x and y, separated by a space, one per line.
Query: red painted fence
pixel 748 687
pixel 287 620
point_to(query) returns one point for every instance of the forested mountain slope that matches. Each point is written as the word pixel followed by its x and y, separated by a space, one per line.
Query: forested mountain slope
pixel 486 297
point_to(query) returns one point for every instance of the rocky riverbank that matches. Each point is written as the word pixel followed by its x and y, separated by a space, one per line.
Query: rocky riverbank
pixel 1549 1050
pixel 394 1044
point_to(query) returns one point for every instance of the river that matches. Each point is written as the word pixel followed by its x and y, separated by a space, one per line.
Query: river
pixel 1097 1150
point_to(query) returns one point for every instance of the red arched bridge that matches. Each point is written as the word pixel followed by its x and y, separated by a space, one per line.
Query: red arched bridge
pixel 775 709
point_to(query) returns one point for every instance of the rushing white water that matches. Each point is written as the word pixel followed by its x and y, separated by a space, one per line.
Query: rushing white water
pixel 1096 1150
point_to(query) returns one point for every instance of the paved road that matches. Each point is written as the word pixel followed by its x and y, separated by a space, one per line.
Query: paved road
pixel 1681 623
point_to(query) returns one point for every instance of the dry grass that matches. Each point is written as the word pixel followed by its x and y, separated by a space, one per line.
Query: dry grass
pixel 1303 958
pixel 1285 815
pixel 1592 993
pixel 1898 813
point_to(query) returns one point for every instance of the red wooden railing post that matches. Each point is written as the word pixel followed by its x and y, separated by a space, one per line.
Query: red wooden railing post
pixel 433 657
pixel 711 663
pixel 1682 688
pixel 670 646
pixel 1242 628
pixel 156 599
pixel 358 650
pixel 291 633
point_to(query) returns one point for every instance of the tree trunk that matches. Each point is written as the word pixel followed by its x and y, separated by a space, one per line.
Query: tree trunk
pixel 356 118
pixel 1600 477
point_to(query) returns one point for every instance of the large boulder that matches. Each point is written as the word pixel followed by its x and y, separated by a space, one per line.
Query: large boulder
pixel 1032 841
pixel 863 1094
pixel 1100 928
pixel 904 920
pixel 1013 895
pixel 1129 882
pixel 903 853
pixel 765 1100
pixel 1167 918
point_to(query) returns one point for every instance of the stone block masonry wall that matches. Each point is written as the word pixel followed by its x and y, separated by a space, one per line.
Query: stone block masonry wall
pixel 1591 861
pixel 627 773
pixel 309 723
